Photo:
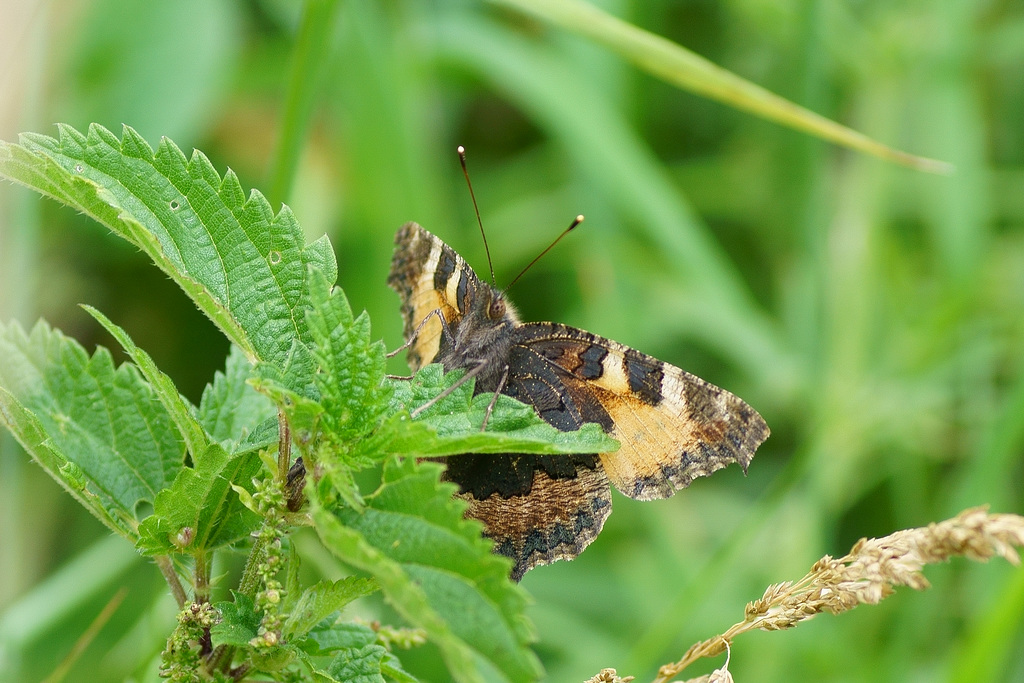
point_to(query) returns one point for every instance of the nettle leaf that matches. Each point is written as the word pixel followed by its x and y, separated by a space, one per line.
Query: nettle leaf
pixel 359 659
pixel 242 264
pixel 324 599
pixel 180 410
pixel 405 596
pixel 392 669
pixel 455 421
pixel 201 511
pixel 328 636
pixel 358 665
pixel 100 431
pixel 303 413
pixel 352 368
pixel 317 675
pixel 436 570
pixel 235 414
pixel 240 622
pixel 31 433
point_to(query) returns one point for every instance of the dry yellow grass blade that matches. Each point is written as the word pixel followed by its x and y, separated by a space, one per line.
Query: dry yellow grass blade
pixel 869 573
pixel 676 65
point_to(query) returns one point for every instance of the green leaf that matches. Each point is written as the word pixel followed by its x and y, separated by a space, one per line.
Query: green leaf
pixel 392 669
pixel 318 675
pixel 31 433
pixel 329 636
pixel 181 412
pixel 360 665
pixel 358 657
pixel 292 585
pixel 97 430
pixel 452 425
pixel 323 599
pixel 676 65
pixel 436 570
pixel 473 617
pixel 303 413
pixel 240 622
pixel 232 412
pixel 352 368
pixel 405 596
pixel 201 511
pixel 244 266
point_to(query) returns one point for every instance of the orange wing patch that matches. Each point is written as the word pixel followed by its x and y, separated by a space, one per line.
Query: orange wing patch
pixel 672 426
pixel 694 431
pixel 428 275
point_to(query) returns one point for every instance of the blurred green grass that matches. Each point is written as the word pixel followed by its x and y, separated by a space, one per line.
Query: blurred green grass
pixel 871 313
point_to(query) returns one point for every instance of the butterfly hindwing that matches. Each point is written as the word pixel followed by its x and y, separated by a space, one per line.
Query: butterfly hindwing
pixel 555 521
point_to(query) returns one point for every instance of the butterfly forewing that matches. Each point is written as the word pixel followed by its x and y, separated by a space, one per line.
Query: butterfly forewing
pixel 672 426
pixel 428 276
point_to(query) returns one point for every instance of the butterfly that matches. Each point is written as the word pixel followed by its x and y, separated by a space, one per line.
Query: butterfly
pixel 672 426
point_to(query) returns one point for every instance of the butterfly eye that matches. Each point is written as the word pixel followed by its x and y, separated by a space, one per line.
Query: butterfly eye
pixel 496 311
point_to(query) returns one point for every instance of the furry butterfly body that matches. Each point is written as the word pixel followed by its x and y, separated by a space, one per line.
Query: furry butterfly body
pixel 672 426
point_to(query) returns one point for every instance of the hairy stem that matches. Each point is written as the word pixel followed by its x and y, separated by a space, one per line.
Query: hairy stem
pixel 166 567
pixel 251 576
pixel 220 659
pixel 202 574
pixel 284 447
pixel 239 672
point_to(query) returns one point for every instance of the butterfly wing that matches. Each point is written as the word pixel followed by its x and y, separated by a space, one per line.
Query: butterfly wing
pixel 673 426
pixel 555 519
pixel 429 276
pixel 536 508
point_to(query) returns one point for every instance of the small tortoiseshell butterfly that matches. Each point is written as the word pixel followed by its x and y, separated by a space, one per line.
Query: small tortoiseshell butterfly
pixel 673 426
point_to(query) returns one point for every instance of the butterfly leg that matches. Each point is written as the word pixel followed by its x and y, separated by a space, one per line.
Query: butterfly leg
pixel 416 333
pixel 494 399
pixel 470 374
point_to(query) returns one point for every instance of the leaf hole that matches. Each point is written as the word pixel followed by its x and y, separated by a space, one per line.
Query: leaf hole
pixel 79 168
pixel 274 257
pixel 143 509
pixel 174 205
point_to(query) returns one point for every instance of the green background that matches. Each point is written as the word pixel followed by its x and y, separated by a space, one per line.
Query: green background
pixel 871 313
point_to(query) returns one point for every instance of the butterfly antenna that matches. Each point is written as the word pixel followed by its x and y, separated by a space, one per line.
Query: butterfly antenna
pixel 462 160
pixel 576 221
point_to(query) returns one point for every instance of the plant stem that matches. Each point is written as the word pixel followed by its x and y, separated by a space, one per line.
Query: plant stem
pixel 221 658
pixel 202 574
pixel 166 567
pixel 250 576
pixel 284 448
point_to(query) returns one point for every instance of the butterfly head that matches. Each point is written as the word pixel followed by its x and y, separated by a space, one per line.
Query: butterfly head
pixel 491 307
pixel 497 309
pixel 483 335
